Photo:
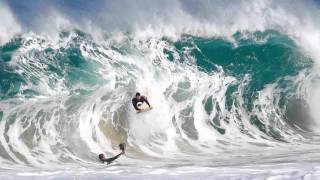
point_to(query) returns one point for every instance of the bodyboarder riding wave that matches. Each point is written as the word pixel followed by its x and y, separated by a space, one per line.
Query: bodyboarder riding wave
pixel 139 99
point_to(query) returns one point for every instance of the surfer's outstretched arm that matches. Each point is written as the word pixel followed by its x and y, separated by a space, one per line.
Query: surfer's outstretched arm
pixel 122 147
pixel 110 160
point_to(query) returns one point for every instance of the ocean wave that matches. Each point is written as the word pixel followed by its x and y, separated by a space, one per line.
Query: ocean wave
pixel 243 85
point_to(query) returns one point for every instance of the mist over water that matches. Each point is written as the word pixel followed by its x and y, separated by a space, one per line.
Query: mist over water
pixel 231 83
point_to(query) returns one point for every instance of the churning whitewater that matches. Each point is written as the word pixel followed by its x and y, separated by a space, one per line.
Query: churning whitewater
pixel 233 84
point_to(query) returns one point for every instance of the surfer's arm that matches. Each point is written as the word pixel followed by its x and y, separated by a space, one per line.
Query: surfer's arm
pixel 145 100
pixel 110 160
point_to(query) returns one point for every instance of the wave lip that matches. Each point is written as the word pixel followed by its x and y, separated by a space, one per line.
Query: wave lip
pixel 9 27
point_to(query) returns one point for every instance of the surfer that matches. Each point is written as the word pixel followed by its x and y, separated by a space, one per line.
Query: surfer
pixel 103 159
pixel 138 98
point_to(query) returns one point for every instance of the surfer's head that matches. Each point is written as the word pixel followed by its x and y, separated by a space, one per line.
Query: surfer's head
pixel 138 95
pixel 101 157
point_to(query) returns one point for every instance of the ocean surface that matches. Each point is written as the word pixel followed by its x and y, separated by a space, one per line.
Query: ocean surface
pixel 234 87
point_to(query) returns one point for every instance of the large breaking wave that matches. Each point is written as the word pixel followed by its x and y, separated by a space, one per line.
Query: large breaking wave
pixel 218 82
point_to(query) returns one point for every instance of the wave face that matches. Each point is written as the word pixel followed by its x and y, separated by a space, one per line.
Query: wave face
pixel 219 84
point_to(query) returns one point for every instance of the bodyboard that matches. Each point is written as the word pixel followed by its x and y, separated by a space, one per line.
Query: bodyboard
pixel 143 106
